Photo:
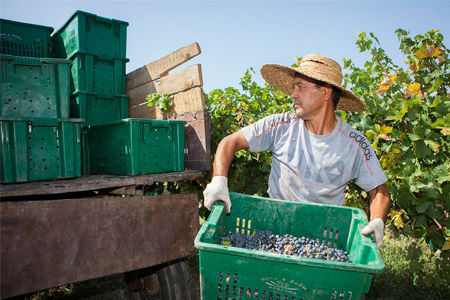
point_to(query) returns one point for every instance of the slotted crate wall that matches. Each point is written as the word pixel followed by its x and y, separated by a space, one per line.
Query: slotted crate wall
pixel 34 87
pixel 88 33
pixel 40 149
pixel 96 74
pixel 95 109
pixel 135 146
pixel 231 272
pixel 23 39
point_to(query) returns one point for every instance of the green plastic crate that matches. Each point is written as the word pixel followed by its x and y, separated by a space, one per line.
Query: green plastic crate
pixel 235 273
pixel 23 39
pixel 96 74
pixel 34 87
pixel 90 33
pixel 40 149
pixel 96 109
pixel 136 146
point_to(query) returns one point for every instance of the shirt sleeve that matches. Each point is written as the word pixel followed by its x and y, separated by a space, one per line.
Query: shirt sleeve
pixel 259 135
pixel 369 173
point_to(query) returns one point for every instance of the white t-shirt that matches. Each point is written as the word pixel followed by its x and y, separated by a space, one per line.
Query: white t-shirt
pixel 314 168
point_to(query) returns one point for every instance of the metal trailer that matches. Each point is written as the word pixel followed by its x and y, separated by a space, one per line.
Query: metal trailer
pixel 59 232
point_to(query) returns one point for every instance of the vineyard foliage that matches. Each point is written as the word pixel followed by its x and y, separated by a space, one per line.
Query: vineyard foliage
pixel 231 110
pixel 407 121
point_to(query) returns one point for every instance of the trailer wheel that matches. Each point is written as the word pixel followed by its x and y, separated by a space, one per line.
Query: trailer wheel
pixel 168 282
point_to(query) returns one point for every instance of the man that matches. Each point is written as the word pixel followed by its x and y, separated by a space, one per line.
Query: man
pixel 314 153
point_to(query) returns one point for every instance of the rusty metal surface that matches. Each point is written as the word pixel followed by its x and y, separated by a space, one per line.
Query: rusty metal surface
pixel 51 243
pixel 91 182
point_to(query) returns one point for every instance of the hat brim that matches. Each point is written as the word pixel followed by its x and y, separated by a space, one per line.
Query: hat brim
pixel 282 78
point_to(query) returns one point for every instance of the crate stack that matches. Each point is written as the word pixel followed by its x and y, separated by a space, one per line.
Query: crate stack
pixel 39 140
pixel 82 84
pixel 97 48
pixel 111 143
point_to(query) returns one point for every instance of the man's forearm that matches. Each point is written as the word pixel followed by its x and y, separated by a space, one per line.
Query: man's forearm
pixel 380 202
pixel 226 149
pixel 224 157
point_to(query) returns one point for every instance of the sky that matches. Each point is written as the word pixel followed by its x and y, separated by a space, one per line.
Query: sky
pixel 236 35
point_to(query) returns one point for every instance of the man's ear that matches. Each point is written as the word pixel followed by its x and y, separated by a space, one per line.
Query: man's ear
pixel 326 92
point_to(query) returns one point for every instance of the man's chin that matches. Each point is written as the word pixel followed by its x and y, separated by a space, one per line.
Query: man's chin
pixel 299 113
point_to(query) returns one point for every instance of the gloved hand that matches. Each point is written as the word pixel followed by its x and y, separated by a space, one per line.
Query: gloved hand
pixel 217 189
pixel 376 228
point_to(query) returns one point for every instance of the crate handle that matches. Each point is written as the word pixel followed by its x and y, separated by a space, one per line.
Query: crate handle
pixel 160 124
pixel 365 239
pixel 216 212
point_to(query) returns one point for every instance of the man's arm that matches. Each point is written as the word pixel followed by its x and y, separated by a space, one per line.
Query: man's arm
pixel 379 206
pixel 217 189
pixel 226 149
pixel 380 202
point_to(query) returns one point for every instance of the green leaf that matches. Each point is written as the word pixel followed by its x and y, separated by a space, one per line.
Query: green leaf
pixel 443 179
pixel 421 220
pixel 347 62
pixel 436 102
pixel 431 212
pixel 421 149
pixel 404 199
pixel 422 207
pixel 437 83
pixel 433 145
pixel 413 137
pixel 442 122
pixel 401 114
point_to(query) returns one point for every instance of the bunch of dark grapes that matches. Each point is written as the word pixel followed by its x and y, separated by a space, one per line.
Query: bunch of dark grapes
pixel 285 244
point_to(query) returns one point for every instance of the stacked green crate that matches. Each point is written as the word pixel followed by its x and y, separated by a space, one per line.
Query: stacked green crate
pixel 34 87
pixel 97 47
pixel 88 33
pixel 134 146
pixel 23 39
pixel 99 109
pixel 38 140
pixel 40 149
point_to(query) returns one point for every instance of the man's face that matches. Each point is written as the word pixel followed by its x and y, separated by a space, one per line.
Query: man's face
pixel 306 97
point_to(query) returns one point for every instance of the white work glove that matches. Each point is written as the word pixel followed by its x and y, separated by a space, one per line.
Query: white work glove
pixel 217 189
pixel 376 228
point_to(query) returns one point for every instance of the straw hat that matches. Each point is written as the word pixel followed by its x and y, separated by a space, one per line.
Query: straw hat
pixel 317 67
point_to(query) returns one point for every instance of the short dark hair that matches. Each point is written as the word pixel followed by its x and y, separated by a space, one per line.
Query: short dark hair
pixel 335 94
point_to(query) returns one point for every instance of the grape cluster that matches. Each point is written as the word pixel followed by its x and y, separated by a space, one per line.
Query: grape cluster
pixel 285 244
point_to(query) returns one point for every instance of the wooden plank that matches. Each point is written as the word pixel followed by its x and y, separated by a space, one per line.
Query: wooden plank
pixel 55 242
pixel 179 81
pixel 91 182
pixel 197 138
pixel 169 177
pixel 162 66
pixel 191 100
